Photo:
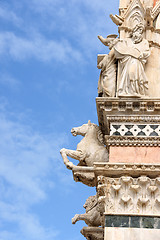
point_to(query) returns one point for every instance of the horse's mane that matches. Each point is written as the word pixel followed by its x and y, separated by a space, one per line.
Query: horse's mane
pixel 100 134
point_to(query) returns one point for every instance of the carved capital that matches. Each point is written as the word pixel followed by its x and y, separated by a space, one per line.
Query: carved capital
pixel 130 194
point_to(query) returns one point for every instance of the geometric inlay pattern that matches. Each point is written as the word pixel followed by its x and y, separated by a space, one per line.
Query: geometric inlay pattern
pixel 141 130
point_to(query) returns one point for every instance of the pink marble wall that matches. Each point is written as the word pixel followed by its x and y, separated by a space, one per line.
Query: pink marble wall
pixel 134 154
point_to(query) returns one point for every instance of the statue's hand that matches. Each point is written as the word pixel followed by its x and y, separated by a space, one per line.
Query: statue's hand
pixel 75 219
pixel 100 65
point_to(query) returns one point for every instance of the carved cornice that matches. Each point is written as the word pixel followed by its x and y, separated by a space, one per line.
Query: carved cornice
pixel 132 169
pixel 128 104
pixel 142 119
pixel 132 141
pixel 127 110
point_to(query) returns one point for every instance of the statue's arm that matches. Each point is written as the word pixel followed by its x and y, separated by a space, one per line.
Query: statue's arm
pixel 123 49
pixel 145 53
pixel 102 63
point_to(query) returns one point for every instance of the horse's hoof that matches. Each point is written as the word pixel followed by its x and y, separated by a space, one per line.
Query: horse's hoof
pixel 74 133
pixel 62 150
pixel 75 219
pixel 69 165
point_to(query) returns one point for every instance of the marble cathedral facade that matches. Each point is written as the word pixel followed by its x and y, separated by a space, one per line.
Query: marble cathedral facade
pixel 121 156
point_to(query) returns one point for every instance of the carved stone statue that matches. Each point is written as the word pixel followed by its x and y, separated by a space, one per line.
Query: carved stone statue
pixel 132 54
pixel 107 64
pixel 92 216
pixel 91 149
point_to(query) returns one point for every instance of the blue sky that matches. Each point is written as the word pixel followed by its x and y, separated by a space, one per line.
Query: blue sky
pixel 48 84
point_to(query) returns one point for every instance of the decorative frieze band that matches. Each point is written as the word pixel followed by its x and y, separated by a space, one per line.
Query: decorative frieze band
pixel 130 118
pixel 124 105
pixel 132 141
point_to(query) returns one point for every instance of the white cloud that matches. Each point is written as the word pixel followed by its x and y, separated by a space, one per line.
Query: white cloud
pixel 9 81
pixel 29 226
pixel 37 47
pixel 10 16
pixel 81 21
pixel 27 161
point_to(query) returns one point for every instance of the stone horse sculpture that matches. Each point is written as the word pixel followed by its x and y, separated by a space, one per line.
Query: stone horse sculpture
pixel 90 149
pixel 92 217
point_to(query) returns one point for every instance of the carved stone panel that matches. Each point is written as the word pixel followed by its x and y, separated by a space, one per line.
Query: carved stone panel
pixel 130 195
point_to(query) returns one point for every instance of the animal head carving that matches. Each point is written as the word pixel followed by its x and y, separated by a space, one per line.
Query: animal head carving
pixel 90 203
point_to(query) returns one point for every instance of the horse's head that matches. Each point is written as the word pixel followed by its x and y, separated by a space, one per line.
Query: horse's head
pixel 90 129
pixel 82 130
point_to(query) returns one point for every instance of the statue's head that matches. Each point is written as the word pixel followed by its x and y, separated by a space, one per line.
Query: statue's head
pixel 137 33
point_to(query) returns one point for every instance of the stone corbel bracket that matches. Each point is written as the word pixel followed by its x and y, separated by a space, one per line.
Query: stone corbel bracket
pixel 84 175
pixel 93 233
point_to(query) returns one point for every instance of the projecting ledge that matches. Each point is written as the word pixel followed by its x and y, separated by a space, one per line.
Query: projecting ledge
pixel 119 169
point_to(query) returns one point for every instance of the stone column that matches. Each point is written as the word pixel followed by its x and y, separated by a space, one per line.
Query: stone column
pixel 128 187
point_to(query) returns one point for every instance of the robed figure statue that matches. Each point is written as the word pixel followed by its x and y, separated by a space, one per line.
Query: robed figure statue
pixel 131 54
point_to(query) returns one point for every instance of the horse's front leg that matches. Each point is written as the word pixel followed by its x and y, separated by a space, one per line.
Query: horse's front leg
pixel 78 155
pixel 79 217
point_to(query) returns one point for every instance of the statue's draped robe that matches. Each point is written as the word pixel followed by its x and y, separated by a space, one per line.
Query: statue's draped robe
pixel 107 79
pixel 132 80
